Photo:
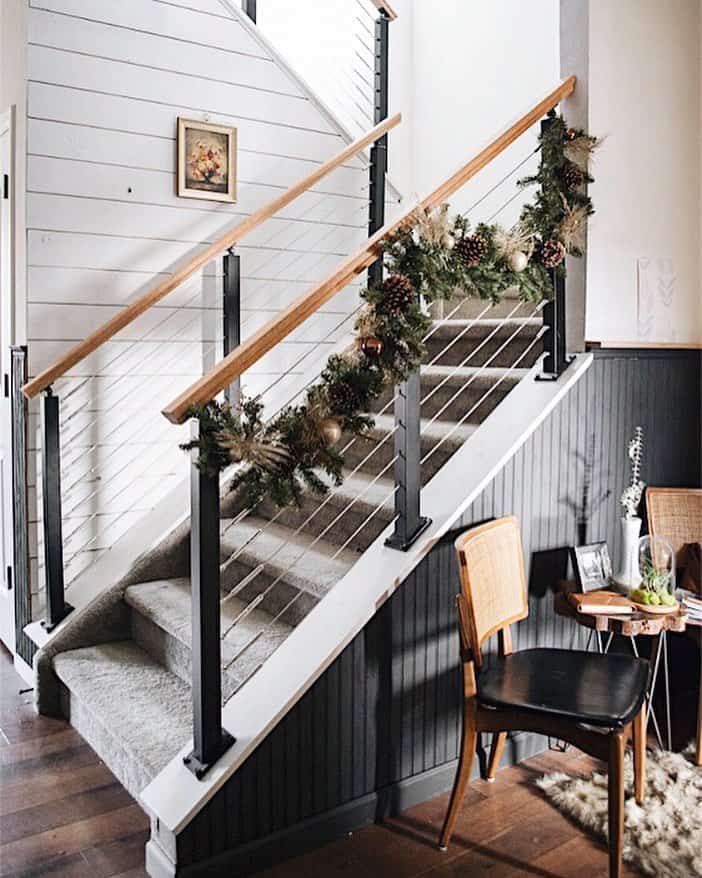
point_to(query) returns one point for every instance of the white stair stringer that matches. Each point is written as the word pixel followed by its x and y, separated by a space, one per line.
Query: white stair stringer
pixel 174 796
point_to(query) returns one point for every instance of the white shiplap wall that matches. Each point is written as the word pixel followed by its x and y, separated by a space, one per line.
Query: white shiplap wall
pixel 107 80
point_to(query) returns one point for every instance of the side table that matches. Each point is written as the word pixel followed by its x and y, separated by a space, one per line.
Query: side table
pixel 632 625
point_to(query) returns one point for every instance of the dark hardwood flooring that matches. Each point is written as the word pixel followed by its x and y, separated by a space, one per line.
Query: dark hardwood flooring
pixel 63 814
pixel 505 828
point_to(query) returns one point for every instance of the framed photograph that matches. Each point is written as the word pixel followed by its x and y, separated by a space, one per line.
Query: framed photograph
pixel 206 160
pixel 592 566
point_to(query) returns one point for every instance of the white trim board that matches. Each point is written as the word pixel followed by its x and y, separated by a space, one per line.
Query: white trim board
pixel 175 796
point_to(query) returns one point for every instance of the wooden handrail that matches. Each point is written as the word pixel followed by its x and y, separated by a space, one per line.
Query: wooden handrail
pixel 383 6
pixel 250 351
pixel 131 312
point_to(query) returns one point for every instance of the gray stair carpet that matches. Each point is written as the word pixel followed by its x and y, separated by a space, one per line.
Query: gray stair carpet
pixel 125 671
pixel 132 711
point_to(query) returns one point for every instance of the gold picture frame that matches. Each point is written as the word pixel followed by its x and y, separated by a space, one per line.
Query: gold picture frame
pixel 206 160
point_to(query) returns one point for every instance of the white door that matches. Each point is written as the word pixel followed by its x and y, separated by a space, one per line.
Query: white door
pixel 7 602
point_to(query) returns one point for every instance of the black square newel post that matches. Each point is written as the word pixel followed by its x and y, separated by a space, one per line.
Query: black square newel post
pixel 56 607
pixel 409 523
pixel 231 315
pixel 210 740
pixel 249 7
pixel 556 359
pixel 554 317
pixel 379 150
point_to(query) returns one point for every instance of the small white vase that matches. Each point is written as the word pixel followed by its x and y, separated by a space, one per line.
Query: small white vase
pixel 628 576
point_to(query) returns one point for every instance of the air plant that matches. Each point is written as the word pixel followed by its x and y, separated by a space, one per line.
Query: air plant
pixel 631 497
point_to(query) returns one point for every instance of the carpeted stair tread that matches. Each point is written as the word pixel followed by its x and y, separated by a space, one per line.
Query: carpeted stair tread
pixel 352 514
pixel 479 327
pixel 142 709
pixel 167 604
pixel 431 431
pixel 304 561
pixel 478 375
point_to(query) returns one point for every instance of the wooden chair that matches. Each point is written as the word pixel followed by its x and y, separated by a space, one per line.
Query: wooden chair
pixel 594 701
pixel 676 515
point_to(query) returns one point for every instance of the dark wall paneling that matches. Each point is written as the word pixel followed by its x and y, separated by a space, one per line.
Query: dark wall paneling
pixel 385 717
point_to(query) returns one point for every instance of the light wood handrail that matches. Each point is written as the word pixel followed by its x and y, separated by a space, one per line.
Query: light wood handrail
pixel 383 6
pixel 257 345
pixel 97 338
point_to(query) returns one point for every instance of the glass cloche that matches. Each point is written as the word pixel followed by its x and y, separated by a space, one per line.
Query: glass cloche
pixel 657 566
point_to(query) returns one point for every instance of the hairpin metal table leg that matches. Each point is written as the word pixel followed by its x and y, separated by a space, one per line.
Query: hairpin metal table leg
pixel 666 681
pixel 649 703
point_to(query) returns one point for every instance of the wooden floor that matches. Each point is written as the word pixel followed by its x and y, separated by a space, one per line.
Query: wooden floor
pixel 62 813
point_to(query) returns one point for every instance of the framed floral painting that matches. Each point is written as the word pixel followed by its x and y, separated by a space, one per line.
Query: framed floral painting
pixel 206 160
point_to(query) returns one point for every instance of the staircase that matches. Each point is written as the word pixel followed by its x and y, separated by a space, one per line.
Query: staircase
pixel 299 553
pixel 164 655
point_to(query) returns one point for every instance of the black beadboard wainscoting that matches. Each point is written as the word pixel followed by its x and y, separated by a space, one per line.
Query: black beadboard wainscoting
pixel 379 731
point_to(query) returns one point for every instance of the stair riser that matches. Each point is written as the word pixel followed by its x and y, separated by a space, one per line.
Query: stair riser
pixel 454 399
pixel 470 309
pixel 172 653
pixel 386 452
pixel 352 524
pixel 130 774
pixel 472 352
pixel 282 597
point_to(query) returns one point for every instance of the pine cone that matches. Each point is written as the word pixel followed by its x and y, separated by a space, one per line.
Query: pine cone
pixel 573 177
pixel 552 253
pixel 472 249
pixel 397 295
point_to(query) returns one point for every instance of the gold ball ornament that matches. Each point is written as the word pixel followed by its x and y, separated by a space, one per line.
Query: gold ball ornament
pixel 518 261
pixel 330 430
pixel 571 134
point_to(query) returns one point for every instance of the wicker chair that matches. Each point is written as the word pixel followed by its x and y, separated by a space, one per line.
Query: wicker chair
pixel 676 515
pixel 594 701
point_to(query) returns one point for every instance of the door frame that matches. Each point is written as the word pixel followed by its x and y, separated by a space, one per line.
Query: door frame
pixel 7 337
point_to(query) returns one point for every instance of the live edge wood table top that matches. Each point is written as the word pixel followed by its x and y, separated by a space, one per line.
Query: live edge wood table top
pixel 630 625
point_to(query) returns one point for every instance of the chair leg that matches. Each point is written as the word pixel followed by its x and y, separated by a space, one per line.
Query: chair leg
pixel 698 748
pixel 496 748
pixel 468 743
pixel 640 755
pixel 616 802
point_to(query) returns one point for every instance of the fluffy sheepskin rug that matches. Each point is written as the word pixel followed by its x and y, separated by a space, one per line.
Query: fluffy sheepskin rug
pixel 664 836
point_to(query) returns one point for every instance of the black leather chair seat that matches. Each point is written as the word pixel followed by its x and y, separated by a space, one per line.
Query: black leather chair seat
pixel 591 688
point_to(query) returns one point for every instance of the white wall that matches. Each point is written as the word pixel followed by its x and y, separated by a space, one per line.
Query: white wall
pixel 644 255
pixel 106 82
pixel 477 66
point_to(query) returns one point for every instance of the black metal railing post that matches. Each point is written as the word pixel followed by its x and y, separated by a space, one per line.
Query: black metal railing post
pixel 210 740
pixel 556 359
pixel 231 315
pixel 249 7
pixel 409 523
pixel 379 150
pixel 554 313
pixel 56 607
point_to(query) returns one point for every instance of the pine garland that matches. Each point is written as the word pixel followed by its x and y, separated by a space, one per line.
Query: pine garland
pixel 428 259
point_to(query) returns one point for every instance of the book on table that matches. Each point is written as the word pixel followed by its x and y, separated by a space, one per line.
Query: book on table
pixel 597 603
